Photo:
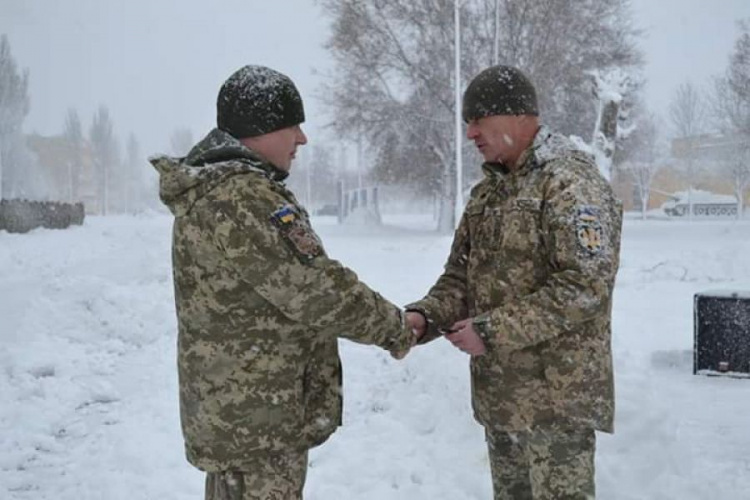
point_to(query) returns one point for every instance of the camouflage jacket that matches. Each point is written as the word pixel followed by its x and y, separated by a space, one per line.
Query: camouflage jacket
pixel 259 308
pixel 534 262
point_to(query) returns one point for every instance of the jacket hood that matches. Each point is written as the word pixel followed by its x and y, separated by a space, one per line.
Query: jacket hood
pixel 546 146
pixel 183 181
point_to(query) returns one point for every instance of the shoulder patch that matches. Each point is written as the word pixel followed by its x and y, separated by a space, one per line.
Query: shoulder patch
pixel 285 215
pixel 589 229
pixel 297 232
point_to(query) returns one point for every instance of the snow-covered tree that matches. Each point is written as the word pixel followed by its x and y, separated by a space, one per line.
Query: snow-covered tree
pixel 687 112
pixel 14 106
pixel 105 154
pixel 736 167
pixel 731 112
pixel 611 87
pixel 74 143
pixel 134 168
pixel 738 78
pixel 645 158
pixel 395 72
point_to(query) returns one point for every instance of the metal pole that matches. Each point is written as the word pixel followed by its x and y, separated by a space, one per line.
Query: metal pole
pixel 496 49
pixel 359 136
pixel 360 161
pixel 1 170
pixel 458 208
pixel 308 172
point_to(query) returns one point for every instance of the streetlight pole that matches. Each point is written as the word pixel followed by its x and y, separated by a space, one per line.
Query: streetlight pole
pixel 496 48
pixel 459 204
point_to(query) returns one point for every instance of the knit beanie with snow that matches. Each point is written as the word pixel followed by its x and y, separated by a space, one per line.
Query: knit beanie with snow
pixel 499 90
pixel 257 100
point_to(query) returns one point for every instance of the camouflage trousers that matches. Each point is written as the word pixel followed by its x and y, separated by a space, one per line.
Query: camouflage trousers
pixel 276 477
pixel 542 464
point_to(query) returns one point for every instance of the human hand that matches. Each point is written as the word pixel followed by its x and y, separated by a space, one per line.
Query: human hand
pixel 417 323
pixel 403 342
pixel 465 337
pixel 409 340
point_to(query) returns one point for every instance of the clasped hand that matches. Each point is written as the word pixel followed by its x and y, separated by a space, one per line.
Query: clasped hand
pixel 462 334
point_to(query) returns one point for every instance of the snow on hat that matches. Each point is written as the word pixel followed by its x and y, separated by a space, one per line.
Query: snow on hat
pixel 257 100
pixel 499 90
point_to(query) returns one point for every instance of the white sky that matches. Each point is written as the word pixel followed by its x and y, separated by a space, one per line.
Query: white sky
pixel 685 40
pixel 158 64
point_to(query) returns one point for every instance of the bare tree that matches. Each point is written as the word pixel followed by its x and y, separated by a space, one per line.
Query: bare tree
pixel 395 77
pixel 14 106
pixel 645 160
pixel 105 154
pixel 687 112
pixel 135 167
pixel 737 169
pixel 738 77
pixel 731 111
pixel 74 143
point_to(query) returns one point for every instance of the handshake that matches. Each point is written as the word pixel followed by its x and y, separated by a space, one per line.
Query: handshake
pixel 462 335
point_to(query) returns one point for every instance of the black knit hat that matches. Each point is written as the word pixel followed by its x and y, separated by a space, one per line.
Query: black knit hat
pixel 257 100
pixel 499 90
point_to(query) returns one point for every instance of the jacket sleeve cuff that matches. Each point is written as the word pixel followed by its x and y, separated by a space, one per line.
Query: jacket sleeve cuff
pixel 483 327
pixel 431 333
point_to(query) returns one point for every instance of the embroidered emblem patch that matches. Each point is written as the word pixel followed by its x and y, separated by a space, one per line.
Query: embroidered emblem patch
pixel 295 230
pixel 589 229
pixel 305 241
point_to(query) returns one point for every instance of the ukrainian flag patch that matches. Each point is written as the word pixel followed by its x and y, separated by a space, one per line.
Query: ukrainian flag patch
pixel 284 215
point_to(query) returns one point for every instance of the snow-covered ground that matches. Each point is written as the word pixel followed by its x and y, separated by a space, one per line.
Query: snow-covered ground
pixel 88 397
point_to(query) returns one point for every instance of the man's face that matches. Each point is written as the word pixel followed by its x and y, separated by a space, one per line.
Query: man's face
pixel 499 138
pixel 278 147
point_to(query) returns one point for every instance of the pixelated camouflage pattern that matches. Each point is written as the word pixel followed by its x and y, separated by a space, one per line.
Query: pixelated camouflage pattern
pixel 548 463
pixel 534 262
pixel 258 361
pixel 271 477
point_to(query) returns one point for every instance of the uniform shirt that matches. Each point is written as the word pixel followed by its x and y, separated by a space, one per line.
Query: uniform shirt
pixel 534 262
pixel 260 306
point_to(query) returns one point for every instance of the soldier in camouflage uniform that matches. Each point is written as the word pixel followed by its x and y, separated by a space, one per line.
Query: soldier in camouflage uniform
pixel 527 292
pixel 259 303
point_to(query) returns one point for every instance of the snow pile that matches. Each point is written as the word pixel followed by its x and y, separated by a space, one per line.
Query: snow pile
pixel 89 390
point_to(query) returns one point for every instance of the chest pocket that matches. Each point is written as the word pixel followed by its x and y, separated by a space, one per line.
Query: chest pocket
pixel 485 226
pixel 522 228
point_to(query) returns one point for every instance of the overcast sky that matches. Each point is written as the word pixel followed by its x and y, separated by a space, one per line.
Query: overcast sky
pixel 157 64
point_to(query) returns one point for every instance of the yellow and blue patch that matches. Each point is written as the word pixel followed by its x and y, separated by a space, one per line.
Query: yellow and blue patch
pixel 284 215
